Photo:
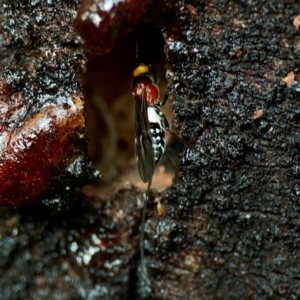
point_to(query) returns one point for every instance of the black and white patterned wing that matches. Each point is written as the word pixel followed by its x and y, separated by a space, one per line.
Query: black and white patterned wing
pixel 143 143
pixel 157 122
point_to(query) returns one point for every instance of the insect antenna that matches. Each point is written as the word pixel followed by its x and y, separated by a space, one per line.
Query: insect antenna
pixel 137 60
pixel 142 238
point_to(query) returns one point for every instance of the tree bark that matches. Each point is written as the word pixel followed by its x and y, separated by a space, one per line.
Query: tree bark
pixel 230 228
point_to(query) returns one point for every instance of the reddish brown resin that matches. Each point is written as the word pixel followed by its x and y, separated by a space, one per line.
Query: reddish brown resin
pixel 151 90
pixel 101 23
pixel 30 150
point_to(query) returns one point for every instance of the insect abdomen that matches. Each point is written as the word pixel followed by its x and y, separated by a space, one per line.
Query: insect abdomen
pixel 157 132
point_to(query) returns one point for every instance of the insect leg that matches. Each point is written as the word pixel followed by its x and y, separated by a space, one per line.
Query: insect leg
pixel 187 145
pixel 167 127
pixel 173 163
pixel 168 94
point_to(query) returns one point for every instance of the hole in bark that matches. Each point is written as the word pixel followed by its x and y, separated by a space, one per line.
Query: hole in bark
pixel 109 100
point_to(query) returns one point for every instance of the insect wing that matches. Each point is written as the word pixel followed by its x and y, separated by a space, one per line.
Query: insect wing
pixel 143 145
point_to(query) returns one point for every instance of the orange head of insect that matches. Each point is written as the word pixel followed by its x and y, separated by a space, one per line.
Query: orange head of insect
pixel 145 84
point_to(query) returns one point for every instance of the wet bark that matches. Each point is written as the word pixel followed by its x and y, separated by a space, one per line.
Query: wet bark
pixel 230 228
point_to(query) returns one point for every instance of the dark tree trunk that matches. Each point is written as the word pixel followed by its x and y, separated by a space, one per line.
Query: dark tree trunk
pixel 231 229
pixel 231 226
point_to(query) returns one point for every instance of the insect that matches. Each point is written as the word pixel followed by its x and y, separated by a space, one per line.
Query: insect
pixel 150 127
pixel 150 122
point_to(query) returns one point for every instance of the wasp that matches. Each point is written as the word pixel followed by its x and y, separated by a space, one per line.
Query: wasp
pixel 150 127
pixel 150 122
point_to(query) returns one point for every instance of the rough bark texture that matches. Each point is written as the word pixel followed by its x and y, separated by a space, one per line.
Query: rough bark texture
pixel 231 229
pixel 85 253
pixel 42 120
pixel 231 226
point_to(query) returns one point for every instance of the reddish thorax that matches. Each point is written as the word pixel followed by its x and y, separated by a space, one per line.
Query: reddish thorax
pixel 146 86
